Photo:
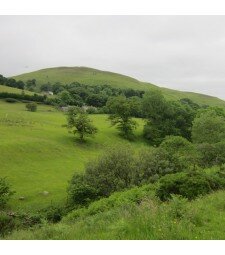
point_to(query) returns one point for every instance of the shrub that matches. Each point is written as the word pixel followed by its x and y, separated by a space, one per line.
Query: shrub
pixel 91 110
pixel 32 107
pixel 113 171
pixel 11 100
pixel 155 163
pixel 6 223
pixel 80 192
pixel 53 213
pixel 184 184
pixel 211 154
pixel 5 192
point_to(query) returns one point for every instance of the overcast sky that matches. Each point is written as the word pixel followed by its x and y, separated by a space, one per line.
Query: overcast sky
pixel 180 52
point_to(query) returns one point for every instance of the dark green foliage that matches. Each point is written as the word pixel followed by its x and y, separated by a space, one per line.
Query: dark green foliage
pixel 96 100
pixel 53 213
pixel 80 192
pixel 5 192
pixel 11 82
pixel 46 87
pixel 211 154
pixel 7 223
pixel 34 97
pixel 11 100
pixel 165 118
pixel 158 162
pixel 78 122
pixel 209 126
pixel 113 171
pixel 188 184
pixel 31 84
pixel 121 116
pixel 32 107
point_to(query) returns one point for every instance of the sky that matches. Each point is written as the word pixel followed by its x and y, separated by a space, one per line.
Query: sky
pixel 180 52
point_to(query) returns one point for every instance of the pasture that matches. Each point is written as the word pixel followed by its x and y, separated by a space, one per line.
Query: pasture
pixel 37 154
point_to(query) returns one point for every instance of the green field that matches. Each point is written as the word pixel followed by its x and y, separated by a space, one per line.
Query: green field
pixel 38 154
pixel 96 77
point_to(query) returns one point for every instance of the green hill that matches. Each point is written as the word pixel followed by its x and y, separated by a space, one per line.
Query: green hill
pixel 7 89
pixel 97 77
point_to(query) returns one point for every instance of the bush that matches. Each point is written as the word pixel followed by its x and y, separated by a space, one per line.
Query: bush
pixel 11 100
pixel 53 213
pixel 80 192
pixel 113 171
pixel 186 185
pixel 7 224
pixel 91 110
pixel 32 107
pixel 5 192
pixel 211 154
pixel 189 185
pixel 155 163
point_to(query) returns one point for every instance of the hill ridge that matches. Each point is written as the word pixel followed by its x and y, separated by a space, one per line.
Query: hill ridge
pixel 93 76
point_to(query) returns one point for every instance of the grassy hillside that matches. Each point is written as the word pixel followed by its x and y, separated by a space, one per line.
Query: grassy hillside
pixel 136 214
pixel 7 89
pixel 94 77
pixel 38 154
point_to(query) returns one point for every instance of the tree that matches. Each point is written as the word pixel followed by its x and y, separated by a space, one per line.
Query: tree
pixel 165 118
pixel 112 171
pixel 78 122
pixel 31 84
pixel 121 112
pixel 32 107
pixel 208 126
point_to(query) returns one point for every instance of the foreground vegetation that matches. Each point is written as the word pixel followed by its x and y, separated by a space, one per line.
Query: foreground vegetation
pixel 136 214
pixel 146 177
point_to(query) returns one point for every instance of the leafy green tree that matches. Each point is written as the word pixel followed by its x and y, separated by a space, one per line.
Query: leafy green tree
pixel 165 118
pixel 78 122
pixel 80 192
pixel 31 84
pixel 208 127
pixel 32 107
pixel 113 171
pixel 121 112
pixel 96 100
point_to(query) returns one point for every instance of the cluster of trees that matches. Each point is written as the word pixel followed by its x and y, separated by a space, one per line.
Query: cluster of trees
pixel 174 165
pixel 79 94
pixel 11 82
pixel 162 117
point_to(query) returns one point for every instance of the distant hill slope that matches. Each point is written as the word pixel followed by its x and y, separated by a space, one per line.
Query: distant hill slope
pixel 92 76
pixel 7 89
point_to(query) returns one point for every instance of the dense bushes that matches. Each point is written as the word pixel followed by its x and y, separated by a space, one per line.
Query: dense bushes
pixel 35 97
pixel 189 184
pixel 120 168
pixel 165 118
